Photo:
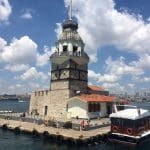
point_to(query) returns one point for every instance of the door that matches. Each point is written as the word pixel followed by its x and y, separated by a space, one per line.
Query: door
pixel 109 109
pixel 45 110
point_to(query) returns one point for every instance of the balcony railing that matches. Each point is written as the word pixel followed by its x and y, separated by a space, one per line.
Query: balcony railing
pixel 78 54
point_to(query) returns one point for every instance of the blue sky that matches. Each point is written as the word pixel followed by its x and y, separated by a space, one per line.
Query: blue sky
pixel 116 34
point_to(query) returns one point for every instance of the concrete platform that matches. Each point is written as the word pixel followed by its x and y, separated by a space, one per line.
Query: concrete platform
pixel 65 133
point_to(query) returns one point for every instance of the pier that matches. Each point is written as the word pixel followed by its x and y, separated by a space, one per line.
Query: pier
pixel 63 135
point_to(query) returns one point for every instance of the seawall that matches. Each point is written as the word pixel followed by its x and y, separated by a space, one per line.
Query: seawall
pixel 59 135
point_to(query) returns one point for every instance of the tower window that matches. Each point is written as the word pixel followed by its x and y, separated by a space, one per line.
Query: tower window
pixel 65 48
pixel 45 110
pixel 67 108
pixel 75 48
pixel 57 67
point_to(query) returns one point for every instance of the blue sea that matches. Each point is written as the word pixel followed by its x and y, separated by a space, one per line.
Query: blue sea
pixel 11 141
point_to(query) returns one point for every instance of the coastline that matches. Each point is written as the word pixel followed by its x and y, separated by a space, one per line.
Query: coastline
pixel 60 135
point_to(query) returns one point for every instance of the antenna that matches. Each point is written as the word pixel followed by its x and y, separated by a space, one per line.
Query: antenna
pixel 70 11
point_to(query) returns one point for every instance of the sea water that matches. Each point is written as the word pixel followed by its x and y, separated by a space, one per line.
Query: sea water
pixel 11 141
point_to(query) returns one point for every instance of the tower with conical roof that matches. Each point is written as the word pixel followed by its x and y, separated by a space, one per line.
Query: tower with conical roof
pixel 69 61
pixel 69 76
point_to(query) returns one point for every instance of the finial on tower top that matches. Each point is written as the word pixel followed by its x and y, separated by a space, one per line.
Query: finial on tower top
pixel 70 23
pixel 70 10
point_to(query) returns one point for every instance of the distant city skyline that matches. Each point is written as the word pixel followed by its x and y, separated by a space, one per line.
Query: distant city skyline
pixel 116 35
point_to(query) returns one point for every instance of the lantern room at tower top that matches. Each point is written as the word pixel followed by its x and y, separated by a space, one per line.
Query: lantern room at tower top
pixel 69 61
pixel 69 45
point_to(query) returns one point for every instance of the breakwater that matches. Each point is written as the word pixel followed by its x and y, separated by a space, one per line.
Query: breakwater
pixel 58 135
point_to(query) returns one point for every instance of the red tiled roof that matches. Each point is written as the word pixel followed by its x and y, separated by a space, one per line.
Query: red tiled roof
pixel 96 98
pixel 95 88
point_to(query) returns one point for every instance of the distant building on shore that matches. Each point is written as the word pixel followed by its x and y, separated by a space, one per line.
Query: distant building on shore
pixel 14 97
pixel 69 94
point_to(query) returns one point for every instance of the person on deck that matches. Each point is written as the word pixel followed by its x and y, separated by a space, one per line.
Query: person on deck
pixel 82 125
pixel 99 117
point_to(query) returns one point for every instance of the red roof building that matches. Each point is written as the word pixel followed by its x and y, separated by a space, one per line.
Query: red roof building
pixel 92 89
pixel 93 104
pixel 95 88
pixel 96 98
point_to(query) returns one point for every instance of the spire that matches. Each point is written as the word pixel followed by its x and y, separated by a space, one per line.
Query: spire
pixel 70 11
pixel 70 23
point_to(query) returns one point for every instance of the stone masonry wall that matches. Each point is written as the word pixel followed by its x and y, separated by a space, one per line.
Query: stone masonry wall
pixel 38 100
pixel 57 107
pixel 60 85
pixel 55 100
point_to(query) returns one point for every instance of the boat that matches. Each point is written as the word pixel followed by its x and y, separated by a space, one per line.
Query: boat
pixel 130 126
pixel 8 99
pixel 21 101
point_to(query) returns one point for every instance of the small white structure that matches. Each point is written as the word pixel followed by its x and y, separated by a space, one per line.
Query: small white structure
pixel 126 114
pixel 89 106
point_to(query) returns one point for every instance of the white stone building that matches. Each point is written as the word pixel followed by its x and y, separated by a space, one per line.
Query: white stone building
pixel 90 105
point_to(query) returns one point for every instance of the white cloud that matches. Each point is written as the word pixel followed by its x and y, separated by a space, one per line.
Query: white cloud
pixel 58 29
pixel 130 85
pixel 116 70
pixel 18 54
pixel 5 10
pixel 27 14
pixel 20 51
pixel 92 74
pixel 18 85
pixel 100 24
pixel 115 87
pixel 142 79
pixel 148 19
pixel 146 79
pixel 110 78
pixel 17 67
pixel 42 59
pixel 33 74
pixel 21 87
pixel 108 81
pixel 119 67
pixel 143 62
pixel 3 43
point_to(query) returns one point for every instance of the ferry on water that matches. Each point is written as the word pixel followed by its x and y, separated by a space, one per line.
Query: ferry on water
pixel 130 126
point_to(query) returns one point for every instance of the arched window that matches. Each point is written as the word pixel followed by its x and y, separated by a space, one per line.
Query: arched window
pixel 45 110
pixel 57 67
pixel 75 48
pixel 67 108
pixel 65 47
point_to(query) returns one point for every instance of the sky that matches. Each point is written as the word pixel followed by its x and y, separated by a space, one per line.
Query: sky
pixel 116 34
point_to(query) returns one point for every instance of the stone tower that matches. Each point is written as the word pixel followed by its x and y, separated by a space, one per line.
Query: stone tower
pixel 69 76
pixel 69 62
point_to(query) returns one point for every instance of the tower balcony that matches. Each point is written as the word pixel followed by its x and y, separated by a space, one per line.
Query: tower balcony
pixel 78 57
